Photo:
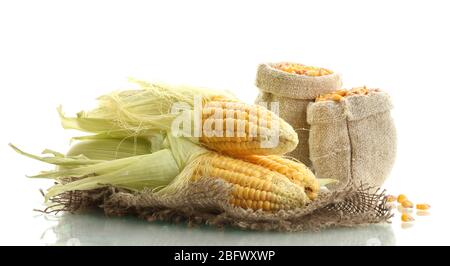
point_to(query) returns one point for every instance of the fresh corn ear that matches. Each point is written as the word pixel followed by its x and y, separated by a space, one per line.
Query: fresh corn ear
pixel 249 129
pixel 297 172
pixel 224 124
pixel 270 184
pixel 254 186
pixel 145 111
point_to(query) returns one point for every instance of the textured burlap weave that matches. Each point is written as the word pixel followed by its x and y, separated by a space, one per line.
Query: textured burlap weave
pixel 353 140
pixel 294 93
pixel 206 202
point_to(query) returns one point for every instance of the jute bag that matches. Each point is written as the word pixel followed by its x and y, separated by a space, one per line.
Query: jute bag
pixel 206 201
pixel 353 140
pixel 294 93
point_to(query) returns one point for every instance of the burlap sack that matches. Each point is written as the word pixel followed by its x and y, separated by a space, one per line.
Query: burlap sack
pixel 294 93
pixel 206 201
pixel 353 140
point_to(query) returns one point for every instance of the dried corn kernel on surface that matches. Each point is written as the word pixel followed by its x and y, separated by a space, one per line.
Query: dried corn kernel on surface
pixel 406 208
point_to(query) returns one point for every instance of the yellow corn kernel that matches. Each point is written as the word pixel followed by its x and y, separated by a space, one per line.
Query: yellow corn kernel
pixel 341 92
pixel 336 97
pixel 407 204
pixel 401 198
pixel 359 90
pixel 407 218
pixel 391 198
pixel 423 206
pixel 266 205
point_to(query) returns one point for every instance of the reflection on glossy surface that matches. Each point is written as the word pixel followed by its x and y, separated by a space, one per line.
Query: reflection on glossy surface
pixel 96 229
pixel 407 225
pixel 400 209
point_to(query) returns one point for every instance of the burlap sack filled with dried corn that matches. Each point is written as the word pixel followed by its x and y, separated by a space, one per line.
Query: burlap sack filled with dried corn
pixel 352 137
pixel 135 164
pixel 294 86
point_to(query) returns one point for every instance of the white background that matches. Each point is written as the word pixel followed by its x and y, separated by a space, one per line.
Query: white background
pixel 69 52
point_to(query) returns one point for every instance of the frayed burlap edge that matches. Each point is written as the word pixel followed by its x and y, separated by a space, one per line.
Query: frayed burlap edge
pixel 206 202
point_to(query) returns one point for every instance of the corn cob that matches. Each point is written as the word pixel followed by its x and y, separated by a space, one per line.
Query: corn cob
pixel 245 129
pixel 253 186
pixel 297 172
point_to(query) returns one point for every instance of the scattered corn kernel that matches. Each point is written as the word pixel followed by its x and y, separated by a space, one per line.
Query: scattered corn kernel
pixel 407 204
pixel 406 207
pixel 391 198
pixel 407 218
pixel 401 198
pixel 300 69
pixel 423 206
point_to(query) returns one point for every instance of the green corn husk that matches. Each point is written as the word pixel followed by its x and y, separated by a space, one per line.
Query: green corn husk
pixel 110 148
pixel 152 171
pixel 137 172
pixel 59 159
pixel 143 112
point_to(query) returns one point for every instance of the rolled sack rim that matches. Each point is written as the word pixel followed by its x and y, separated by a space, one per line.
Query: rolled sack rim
pixel 278 82
pixel 352 108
